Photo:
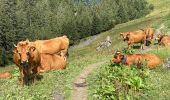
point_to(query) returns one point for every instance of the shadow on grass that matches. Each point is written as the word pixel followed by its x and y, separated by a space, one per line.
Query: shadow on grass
pixel 136 46
pixel 39 77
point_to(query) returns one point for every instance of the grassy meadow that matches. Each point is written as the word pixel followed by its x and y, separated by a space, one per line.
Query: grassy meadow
pixel 62 80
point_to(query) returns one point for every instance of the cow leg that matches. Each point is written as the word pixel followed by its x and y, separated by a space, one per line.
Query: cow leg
pixel 129 44
pixel 23 79
pixel 64 53
pixel 143 45
pixel 20 76
pixel 35 72
pixel 26 79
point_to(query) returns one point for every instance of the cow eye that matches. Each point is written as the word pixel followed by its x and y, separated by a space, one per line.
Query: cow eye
pixel 28 53
pixel 19 53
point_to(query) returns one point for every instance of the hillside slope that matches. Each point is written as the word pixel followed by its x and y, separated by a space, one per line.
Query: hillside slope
pixel 156 89
pixel 81 57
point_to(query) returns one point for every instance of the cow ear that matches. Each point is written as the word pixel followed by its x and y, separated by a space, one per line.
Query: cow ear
pixel 142 29
pixel 15 50
pixel 128 34
pixel 32 48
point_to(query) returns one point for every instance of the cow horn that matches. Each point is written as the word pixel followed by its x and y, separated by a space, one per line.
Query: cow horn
pixel 116 51
pixel 27 40
pixel 14 45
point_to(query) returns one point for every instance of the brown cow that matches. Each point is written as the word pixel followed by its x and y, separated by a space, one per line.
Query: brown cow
pixel 135 37
pixel 17 61
pixel 51 62
pixel 5 75
pixel 137 59
pixel 149 33
pixel 16 57
pixel 58 45
pixel 29 61
pixel 163 40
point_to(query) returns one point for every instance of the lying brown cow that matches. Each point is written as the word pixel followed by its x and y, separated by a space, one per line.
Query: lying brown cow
pixel 5 75
pixel 58 45
pixel 135 37
pixel 137 59
pixel 28 60
pixel 163 40
pixel 51 62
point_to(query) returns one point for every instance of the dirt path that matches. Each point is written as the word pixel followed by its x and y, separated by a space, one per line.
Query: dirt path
pixel 80 86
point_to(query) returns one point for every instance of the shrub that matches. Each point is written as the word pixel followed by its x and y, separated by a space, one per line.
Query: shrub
pixel 118 82
pixel 128 50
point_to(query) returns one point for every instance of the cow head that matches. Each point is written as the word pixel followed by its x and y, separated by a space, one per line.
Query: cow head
pixel 158 37
pixel 125 36
pixel 16 57
pixel 24 49
pixel 118 57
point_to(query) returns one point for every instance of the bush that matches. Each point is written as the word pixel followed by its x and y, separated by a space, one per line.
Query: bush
pixel 118 82
pixel 128 50
pixel 3 58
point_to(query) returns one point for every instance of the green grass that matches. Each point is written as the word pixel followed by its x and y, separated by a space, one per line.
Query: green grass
pixel 62 81
pixel 158 79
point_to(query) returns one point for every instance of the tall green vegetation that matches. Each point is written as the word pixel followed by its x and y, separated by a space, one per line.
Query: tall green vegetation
pixel 43 19
pixel 117 83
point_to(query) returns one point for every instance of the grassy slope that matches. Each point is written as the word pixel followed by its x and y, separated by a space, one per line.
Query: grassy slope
pixel 79 58
pixel 158 80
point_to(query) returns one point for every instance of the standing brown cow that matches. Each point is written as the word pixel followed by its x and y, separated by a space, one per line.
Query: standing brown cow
pixel 149 35
pixel 135 37
pixel 58 45
pixel 28 60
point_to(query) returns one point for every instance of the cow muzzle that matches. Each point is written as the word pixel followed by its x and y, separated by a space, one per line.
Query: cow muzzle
pixel 25 64
pixel 124 39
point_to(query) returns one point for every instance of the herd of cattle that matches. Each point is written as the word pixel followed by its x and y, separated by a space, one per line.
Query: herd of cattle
pixel 145 37
pixel 41 56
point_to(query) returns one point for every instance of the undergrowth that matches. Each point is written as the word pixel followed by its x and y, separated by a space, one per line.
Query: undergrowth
pixel 112 82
